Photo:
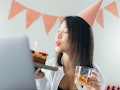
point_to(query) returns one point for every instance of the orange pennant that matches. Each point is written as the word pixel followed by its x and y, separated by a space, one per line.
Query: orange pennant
pixel 112 7
pixel 48 22
pixel 60 18
pixel 99 18
pixel 15 9
pixel 31 16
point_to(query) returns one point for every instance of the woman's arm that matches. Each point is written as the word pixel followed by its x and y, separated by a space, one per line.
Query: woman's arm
pixel 97 81
pixel 44 78
pixel 41 81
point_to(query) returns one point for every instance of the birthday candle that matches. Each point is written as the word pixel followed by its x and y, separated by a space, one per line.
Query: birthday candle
pixel 35 46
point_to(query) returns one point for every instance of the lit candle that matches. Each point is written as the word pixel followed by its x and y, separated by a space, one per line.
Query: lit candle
pixel 35 45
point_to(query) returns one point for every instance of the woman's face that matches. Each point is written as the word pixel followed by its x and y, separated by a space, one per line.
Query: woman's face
pixel 61 39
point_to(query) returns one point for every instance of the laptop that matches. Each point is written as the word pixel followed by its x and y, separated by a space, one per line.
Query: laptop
pixel 16 65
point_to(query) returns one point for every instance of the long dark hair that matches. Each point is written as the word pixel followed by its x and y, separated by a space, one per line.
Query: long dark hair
pixel 81 41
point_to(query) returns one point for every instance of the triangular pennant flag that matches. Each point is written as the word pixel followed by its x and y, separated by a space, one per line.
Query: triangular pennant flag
pixel 112 8
pixel 31 16
pixel 60 18
pixel 90 13
pixel 100 19
pixel 48 21
pixel 15 9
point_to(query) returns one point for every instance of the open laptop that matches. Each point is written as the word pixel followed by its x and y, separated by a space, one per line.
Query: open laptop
pixel 16 66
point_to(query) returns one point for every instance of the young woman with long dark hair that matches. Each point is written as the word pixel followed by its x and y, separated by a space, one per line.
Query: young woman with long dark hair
pixel 74 47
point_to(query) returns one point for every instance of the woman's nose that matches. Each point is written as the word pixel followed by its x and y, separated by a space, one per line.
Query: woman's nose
pixel 59 35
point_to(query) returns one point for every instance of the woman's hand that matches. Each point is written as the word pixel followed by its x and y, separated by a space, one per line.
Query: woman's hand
pixel 39 74
pixel 94 82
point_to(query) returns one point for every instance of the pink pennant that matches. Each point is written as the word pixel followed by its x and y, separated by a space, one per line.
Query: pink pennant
pixel 31 16
pixel 15 9
pixel 100 19
pixel 90 13
pixel 112 8
pixel 48 22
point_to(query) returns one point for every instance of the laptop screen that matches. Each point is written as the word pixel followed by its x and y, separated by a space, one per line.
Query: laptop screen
pixel 16 65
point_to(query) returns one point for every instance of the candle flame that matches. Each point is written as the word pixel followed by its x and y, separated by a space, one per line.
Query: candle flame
pixel 35 43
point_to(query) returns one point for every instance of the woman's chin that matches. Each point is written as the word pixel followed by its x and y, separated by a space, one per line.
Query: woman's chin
pixel 57 50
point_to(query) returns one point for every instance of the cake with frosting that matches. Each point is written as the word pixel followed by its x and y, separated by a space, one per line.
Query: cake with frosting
pixel 39 57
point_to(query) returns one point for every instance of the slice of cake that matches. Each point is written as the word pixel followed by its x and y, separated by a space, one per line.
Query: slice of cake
pixel 39 57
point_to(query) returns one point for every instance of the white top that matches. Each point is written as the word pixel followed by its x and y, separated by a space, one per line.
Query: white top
pixel 52 78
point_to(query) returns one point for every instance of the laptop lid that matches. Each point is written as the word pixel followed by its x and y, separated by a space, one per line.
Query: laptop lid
pixel 16 66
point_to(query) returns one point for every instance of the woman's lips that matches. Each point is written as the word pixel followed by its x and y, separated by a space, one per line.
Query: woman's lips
pixel 57 43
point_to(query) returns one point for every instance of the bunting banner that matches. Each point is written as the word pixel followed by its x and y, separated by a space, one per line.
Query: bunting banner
pixel 15 9
pixel 31 16
pixel 100 19
pixel 49 20
pixel 112 8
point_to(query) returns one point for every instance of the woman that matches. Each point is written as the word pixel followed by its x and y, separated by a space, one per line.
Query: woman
pixel 74 46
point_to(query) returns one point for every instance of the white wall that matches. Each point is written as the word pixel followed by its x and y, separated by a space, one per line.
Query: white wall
pixel 107 39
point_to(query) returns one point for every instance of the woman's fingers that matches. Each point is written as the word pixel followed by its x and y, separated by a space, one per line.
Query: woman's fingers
pixel 38 70
pixel 39 73
pixel 94 82
pixel 94 74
